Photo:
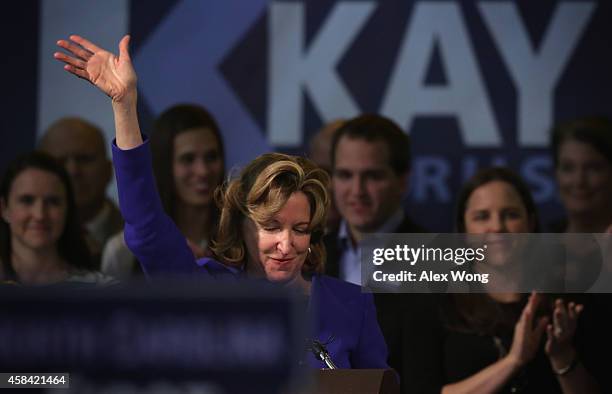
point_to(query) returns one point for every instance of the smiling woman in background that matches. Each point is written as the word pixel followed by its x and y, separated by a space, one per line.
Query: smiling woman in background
pixel 188 164
pixel 40 239
pixel 582 152
pixel 494 342
pixel 505 329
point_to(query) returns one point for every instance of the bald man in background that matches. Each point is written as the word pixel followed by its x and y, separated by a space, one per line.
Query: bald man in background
pixel 320 153
pixel 81 147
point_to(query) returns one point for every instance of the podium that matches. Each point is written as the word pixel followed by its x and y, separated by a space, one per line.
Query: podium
pixel 358 381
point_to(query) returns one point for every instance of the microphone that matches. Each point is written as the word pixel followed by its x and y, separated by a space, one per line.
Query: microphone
pixel 321 353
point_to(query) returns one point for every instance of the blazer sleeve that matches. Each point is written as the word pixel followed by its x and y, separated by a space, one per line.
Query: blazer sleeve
pixel 371 350
pixel 149 233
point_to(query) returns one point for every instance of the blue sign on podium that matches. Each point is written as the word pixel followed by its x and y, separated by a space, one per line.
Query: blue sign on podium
pixel 228 337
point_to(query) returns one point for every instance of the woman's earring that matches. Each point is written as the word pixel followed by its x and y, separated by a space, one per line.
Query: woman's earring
pixel 309 250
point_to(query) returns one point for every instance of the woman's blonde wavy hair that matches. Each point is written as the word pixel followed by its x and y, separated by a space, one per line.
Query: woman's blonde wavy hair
pixel 259 193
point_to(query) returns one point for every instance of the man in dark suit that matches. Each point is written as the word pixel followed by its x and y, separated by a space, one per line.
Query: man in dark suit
pixel 370 170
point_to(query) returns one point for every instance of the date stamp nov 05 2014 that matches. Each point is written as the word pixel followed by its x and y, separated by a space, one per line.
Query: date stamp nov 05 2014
pixel 34 380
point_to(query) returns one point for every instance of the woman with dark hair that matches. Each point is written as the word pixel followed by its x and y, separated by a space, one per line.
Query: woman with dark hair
pixel 188 164
pixel 271 226
pixel 492 341
pixel 582 153
pixel 496 174
pixel 41 241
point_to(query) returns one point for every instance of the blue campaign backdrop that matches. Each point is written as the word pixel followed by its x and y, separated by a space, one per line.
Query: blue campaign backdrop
pixel 474 83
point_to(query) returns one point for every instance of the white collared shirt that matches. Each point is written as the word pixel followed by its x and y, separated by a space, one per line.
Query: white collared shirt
pixel 350 259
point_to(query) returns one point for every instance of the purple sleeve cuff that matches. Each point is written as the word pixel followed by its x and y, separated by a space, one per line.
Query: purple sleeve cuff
pixel 149 233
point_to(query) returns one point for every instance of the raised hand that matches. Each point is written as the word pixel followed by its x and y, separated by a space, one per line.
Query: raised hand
pixel 527 335
pixel 114 75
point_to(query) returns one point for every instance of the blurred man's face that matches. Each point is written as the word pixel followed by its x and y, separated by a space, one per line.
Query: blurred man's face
pixel 82 153
pixel 366 189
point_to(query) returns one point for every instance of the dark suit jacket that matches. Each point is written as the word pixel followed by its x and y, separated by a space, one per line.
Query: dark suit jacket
pixel 332 247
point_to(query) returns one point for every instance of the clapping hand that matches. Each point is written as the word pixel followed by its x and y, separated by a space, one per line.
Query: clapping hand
pixel 560 333
pixel 527 333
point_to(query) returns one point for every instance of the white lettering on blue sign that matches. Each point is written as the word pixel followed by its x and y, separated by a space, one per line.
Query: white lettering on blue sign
pixel 535 70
